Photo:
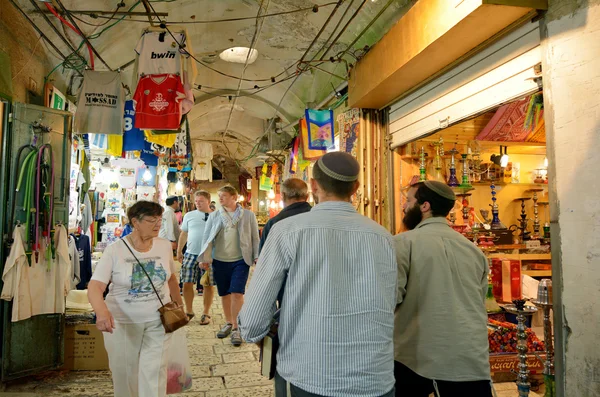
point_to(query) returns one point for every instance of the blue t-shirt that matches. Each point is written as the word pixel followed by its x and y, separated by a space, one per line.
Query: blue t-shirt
pixel 133 138
pixel 148 156
pixel 193 224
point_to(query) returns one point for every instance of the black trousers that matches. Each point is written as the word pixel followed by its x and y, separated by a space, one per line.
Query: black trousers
pixel 281 390
pixel 410 384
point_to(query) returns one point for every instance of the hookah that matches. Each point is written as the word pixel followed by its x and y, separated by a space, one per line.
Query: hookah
pixel 547 221
pixel 495 224
pixel 422 170
pixel 453 180
pixel 465 184
pixel 523 221
pixel 544 302
pixel 439 151
pixel 536 220
pixel 518 308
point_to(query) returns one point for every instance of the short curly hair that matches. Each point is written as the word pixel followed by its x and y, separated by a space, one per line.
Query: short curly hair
pixel 144 208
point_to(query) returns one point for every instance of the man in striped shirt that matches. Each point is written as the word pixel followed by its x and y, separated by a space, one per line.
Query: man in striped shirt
pixel 336 327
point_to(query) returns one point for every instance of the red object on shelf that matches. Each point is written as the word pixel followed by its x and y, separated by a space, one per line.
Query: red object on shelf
pixel 506 279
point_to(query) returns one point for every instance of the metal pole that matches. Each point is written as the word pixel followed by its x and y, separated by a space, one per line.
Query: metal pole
pixel 59 2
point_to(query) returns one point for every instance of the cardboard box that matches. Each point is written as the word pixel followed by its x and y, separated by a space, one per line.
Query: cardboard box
pixel 84 348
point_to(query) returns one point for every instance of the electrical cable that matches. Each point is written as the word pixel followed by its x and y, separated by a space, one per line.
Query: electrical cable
pixel 73 28
pixel 37 43
pixel 313 8
pixel 91 16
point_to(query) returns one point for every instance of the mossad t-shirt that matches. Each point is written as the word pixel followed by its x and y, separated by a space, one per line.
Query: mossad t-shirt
pixel 101 104
pixel 131 298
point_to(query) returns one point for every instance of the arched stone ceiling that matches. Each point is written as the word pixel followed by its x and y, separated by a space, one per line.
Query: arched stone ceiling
pixel 282 42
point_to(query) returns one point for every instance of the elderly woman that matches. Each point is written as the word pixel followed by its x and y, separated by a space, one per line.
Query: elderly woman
pixel 134 336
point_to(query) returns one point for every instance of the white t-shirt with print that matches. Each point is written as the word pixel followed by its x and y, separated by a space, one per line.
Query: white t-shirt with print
pixel 131 298
pixel 127 171
pixel 145 193
pixel 159 57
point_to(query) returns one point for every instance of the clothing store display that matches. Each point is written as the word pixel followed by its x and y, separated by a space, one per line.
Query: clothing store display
pixel 37 286
pixel 165 140
pixel 148 155
pixel 203 154
pixel 157 102
pixel 115 145
pixel 146 193
pixel 85 259
pixel 133 138
pixel 142 181
pixel 101 103
pixel 156 56
pixel 75 265
pixel 128 169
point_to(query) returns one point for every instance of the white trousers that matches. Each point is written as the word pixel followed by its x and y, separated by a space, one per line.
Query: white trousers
pixel 137 356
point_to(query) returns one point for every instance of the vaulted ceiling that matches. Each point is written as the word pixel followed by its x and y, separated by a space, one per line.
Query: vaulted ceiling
pixel 235 120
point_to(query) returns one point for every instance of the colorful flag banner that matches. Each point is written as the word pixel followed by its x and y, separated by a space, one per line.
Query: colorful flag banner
pixel 349 124
pixel 293 160
pixel 307 153
pixel 320 129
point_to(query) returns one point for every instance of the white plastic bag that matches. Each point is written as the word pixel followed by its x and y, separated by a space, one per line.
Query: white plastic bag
pixel 179 369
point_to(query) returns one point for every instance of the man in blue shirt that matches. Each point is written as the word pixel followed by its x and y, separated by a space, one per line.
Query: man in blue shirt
pixel 192 232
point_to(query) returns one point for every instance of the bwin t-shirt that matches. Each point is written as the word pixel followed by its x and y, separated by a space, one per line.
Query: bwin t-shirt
pixel 101 104
pixel 159 57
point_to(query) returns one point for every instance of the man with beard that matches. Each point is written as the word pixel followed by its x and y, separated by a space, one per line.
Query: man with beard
pixel 440 336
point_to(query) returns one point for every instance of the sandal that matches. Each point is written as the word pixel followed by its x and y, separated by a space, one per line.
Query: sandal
pixel 190 316
pixel 205 319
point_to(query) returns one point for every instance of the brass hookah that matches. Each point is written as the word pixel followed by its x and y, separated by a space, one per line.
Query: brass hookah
pixel 439 152
pixel 518 308
pixel 422 167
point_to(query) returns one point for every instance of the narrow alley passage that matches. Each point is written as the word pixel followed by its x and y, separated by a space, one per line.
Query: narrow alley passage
pixel 219 369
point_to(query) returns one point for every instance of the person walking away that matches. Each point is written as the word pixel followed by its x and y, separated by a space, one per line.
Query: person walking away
pixel 294 194
pixel 440 340
pixel 192 233
pixel 170 225
pixel 231 235
pixel 336 326
pixel 134 336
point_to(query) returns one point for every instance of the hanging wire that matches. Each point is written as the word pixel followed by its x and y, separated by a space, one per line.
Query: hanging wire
pixel 314 8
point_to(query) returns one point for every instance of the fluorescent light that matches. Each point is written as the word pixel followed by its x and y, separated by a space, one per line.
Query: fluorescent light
pixel 179 186
pixel 239 55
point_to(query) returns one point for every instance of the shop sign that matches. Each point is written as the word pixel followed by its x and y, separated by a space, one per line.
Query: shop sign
pixel 509 363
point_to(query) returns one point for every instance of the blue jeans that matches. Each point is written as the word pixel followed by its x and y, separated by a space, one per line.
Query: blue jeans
pixel 230 277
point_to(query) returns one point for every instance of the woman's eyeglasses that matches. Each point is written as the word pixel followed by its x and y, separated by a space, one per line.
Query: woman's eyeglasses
pixel 153 221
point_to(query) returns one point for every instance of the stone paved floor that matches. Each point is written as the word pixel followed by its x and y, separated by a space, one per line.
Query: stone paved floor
pixel 219 370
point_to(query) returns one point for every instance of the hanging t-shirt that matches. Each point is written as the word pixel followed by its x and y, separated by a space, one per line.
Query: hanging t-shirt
pixel 164 140
pixel 128 169
pixel 156 56
pixel 133 138
pixel 203 170
pixel 113 215
pixel 100 105
pixel 85 260
pixel 147 181
pixel 146 193
pixel 148 155
pixel 131 298
pixel 157 99
pixel 180 148
pixel 115 145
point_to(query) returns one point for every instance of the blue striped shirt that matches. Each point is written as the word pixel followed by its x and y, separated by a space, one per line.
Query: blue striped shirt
pixel 337 321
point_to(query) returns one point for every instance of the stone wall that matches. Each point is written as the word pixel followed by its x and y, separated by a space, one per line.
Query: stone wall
pixel 571 43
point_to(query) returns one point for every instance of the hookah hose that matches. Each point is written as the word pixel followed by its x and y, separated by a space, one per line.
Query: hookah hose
pixel 26 171
pixel 40 185
pixel 16 178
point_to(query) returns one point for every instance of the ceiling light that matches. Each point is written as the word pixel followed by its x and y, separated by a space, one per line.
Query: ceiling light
pixel 239 55
pixel 504 159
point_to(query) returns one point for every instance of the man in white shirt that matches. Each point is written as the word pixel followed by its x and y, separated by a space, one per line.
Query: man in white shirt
pixel 440 336
pixel 192 233
pixel 170 226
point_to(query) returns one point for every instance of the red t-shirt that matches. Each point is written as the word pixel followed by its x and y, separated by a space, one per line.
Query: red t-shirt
pixel 157 100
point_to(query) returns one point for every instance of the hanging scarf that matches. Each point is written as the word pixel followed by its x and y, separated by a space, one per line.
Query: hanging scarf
pixel 231 219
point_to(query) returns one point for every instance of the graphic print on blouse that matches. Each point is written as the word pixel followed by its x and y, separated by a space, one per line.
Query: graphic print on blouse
pixel 141 290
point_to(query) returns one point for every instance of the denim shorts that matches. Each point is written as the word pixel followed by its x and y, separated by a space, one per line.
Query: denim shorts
pixel 230 277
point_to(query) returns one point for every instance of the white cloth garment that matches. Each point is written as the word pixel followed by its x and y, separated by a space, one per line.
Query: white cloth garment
pixel 145 193
pixel 203 154
pixel 137 356
pixel 128 169
pixel 159 57
pixel 75 265
pixel 131 298
pixel 40 288
pixel 203 150
pixel 101 104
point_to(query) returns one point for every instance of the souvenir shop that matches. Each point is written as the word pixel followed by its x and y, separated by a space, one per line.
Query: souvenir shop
pixel 480 129
pixel 72 169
